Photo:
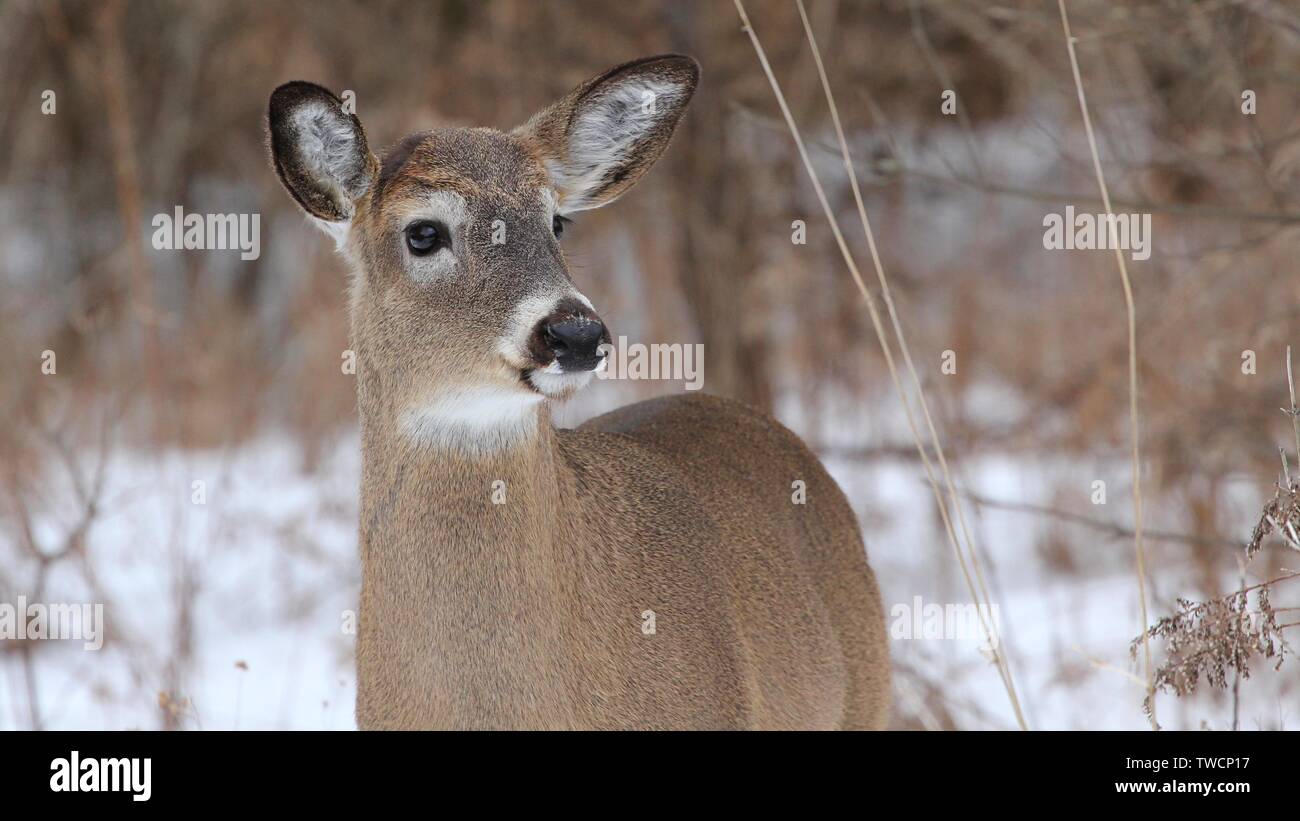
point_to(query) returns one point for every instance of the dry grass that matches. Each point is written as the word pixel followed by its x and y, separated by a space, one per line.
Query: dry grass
pixel 1212 638
pixel 189 351
pixel 1131 318
pixel 964 548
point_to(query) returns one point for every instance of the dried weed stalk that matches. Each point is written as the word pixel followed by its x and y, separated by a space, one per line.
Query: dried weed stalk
pixel 1281 515
pixel 1214 637
pixel 1223 634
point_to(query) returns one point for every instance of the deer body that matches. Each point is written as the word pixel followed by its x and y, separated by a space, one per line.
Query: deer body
pixel 647 570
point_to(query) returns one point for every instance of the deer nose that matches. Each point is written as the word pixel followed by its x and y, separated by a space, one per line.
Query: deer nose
pixel 574 338
pixel 575 342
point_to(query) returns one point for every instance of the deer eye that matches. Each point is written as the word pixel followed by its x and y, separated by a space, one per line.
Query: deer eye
pixel 426 236
pixel 558 223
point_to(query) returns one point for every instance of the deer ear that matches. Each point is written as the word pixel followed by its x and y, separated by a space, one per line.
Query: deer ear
pixel 319 151
pixel 603 136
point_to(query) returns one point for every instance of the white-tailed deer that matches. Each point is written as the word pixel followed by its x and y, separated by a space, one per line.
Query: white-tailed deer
pixel 652 568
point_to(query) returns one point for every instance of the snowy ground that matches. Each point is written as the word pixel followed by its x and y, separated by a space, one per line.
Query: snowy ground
pixel 269 563
pixel 271 559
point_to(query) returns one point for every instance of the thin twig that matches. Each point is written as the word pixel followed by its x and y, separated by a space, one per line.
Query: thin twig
pixel 1295 412
pixel 979 590
pixel 1117 530
pixel 1236 679
pixel 893 167
pixel 1132 365
pixel 1101 665
pixel 945 82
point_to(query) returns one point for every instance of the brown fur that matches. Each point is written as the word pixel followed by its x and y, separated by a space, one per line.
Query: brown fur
pixel 529 614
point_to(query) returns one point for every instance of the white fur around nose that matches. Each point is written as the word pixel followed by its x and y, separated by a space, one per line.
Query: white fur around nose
pixel 474 421
pixel 606 132
pixel 554 382
pixel 531 310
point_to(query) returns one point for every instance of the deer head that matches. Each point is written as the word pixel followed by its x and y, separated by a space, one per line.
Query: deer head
pixel 465 319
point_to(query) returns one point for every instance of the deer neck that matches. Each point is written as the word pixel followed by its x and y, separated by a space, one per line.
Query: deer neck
pixel 462 578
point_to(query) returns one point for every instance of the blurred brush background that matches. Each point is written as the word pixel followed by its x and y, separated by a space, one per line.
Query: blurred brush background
pixel 184 367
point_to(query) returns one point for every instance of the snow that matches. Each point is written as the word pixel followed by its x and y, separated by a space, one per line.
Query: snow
pixel 271 555
pixel 270 559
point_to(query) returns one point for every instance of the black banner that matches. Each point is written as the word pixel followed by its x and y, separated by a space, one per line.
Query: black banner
pixel 134 771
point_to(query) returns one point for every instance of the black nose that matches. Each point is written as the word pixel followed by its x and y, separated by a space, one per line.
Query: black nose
pixel 575 340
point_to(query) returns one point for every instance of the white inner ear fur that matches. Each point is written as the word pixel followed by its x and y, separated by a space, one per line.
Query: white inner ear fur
pixel 327 146
pixel 605 131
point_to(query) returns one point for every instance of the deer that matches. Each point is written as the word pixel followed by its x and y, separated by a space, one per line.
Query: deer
pixel 651 568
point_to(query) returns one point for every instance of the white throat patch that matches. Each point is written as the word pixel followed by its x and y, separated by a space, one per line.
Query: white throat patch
pixel 475 421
